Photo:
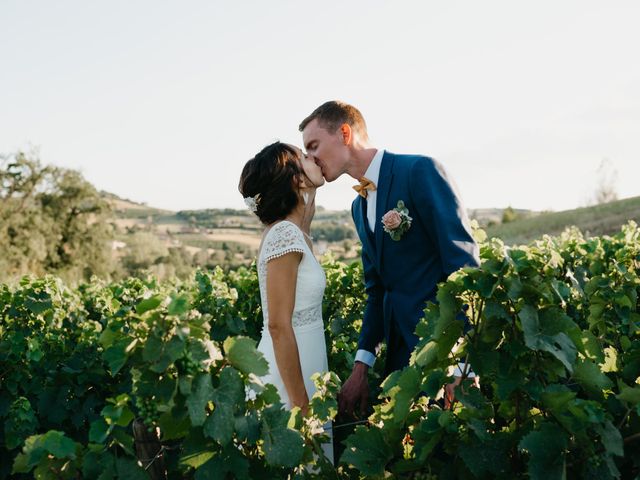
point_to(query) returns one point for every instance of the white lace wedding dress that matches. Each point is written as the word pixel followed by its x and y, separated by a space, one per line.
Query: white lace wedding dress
pixel 308 327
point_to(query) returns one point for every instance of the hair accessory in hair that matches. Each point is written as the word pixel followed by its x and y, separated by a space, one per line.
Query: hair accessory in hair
pixel 252 202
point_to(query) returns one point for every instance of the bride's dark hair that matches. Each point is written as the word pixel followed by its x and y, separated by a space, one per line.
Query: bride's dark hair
pixel 271 178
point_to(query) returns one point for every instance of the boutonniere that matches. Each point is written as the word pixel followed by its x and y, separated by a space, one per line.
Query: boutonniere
pixel 397 221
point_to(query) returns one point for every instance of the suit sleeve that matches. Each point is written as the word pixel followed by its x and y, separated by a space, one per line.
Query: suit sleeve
pixel 440 210
pixel 372 332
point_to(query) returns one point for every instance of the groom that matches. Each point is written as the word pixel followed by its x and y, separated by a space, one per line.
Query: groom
pixel 400 274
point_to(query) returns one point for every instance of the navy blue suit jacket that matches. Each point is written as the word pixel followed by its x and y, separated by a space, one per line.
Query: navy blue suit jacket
pixel 401 276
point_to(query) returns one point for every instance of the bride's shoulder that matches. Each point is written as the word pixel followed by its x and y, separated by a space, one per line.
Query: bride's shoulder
pixel 284 227
pixel 283 231
pixel 281 238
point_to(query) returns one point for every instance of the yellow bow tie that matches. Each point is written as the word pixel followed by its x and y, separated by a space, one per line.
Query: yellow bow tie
pixel 363 187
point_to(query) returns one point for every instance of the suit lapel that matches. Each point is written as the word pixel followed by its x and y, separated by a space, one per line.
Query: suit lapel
pixel 384 187
pixel 363 226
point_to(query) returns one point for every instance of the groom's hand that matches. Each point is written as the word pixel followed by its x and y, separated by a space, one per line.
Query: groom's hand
pixel 355 391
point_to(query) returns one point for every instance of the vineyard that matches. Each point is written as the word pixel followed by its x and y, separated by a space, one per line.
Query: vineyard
pixel 148 379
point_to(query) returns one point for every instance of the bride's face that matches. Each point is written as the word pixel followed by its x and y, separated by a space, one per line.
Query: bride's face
pixel 312 171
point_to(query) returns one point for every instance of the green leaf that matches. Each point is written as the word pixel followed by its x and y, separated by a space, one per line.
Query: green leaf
pixel 367 451
pixel 226 400
pixel 434 383
pixel 427 355
pixel 558 345
pixel 488 458
pixel 629 394
pixel 37 447
pixel 124 440
pixel 40 304
pixel 196 451
pixel 58 445
pixel 546 449
pixel 402 388
pixel 162 353
pixel 148 304
pixel 179 305
pixel 590 347
pixel 99 431
pixel 611 360
pixel 229 461
pixel 128 469
pixel 174 424
pixel 282 446
pixel 116 356
pixel 611 438
pixel 201 393
pixel 242 354
pixel 589 375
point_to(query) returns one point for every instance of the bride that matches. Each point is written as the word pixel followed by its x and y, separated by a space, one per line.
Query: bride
pixel 279 185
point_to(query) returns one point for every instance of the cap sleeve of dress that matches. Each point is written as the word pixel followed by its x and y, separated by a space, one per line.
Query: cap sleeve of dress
pixel 283 238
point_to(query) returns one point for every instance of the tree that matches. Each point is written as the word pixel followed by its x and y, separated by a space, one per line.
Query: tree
pixel 51 221
pixel 509 215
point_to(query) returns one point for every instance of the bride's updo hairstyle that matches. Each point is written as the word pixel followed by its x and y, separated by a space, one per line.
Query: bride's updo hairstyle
pixel 270 179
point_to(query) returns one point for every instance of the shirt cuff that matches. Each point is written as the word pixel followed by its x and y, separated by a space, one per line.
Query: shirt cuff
pixel 365 357
pixel 460 368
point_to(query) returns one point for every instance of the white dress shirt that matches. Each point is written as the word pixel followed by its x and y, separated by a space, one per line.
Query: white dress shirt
pixel 373 174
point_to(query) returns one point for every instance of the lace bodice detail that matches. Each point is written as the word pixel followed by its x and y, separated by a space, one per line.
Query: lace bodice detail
pixel 283 238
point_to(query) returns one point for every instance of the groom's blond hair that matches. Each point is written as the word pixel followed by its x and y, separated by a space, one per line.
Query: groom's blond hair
pixel 333 114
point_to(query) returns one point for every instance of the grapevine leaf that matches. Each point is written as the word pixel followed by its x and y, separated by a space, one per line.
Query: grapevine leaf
pixel 196 451
pixel 36 447
pixel 179 305
pixel 116 356
pixel 558 345
pixel 589 375
pixel 367 451
pixel 128 469
pixel 629 394
pixel 434 383
pixel 40 304
pixel 99 431
pixel 427 355
pixel 611 438
pixel 487 458
pixel 229 461
pixel 226 399
pixel 174 425
pixel 611 360
pixel 590 347
pixel 148 304
pixel 242 354
pixel 402 387
pixel 282 446
pixel 200 395
pixel 546 447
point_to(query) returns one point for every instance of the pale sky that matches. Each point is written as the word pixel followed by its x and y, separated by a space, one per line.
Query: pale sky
pixel 164 101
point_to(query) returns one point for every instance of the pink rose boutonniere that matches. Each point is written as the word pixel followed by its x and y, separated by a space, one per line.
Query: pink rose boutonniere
pixel 397 221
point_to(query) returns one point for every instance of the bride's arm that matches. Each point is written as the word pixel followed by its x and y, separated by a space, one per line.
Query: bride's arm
pixel 282 273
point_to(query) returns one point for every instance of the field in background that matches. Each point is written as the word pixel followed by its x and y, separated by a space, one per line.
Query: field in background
pixel 236 234
pixel 603 219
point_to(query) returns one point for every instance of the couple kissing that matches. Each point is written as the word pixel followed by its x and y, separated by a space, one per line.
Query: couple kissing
pixel 414 232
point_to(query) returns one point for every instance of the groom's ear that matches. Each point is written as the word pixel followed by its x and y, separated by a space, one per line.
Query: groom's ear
pixel 347 133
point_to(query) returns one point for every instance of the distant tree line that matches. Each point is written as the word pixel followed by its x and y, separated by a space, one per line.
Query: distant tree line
pixel 215 217
pixel 332 231
pixel 54 221
pixel 51 220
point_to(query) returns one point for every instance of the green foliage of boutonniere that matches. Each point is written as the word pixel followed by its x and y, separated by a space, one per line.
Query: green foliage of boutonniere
pixel 397 221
